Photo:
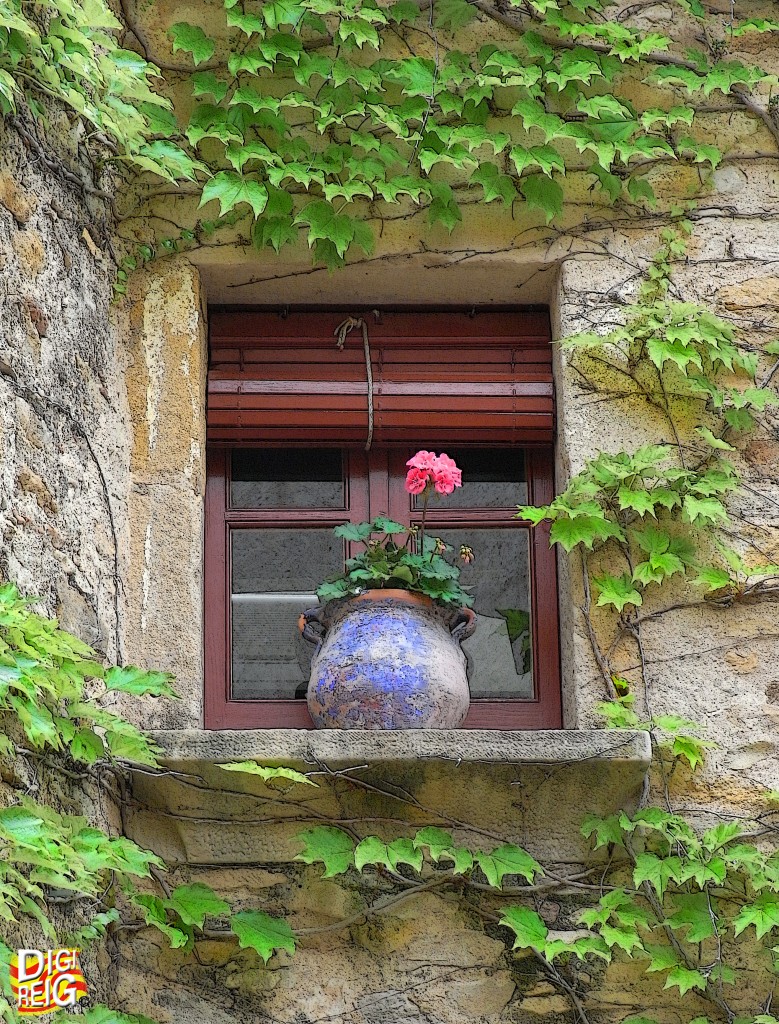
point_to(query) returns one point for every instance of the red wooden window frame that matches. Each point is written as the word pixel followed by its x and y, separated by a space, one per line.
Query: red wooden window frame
pixel 370 491
pixel 372 486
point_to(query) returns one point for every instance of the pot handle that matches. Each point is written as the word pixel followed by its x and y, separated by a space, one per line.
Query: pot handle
pixel 464 624
pixel 311 626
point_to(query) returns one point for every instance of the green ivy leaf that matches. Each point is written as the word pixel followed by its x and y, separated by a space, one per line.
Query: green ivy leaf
pixel 154 914
pixel 528 927
pixel 262 933
pixel 617 591
pixel 231 189
pixel 544 194
pixel 403 851
pixel 436 840
pixel 684 979
pixel 371 850
pixel 195 901
pixel 495 184
pixel 265 773
pixel 329 845
pixel 657 871
pixel 443 208
pixel 640 501
pixel 205 83
pixel 86 746
pixel 693 913
pixel 507 860
pixel 325 224
pixel 138 681
pixel 708 510
pixel 453 14
pixel 461 857
pixel 712 578
pixel 691 749
pixel 582 530
pixel 192 39
pixel 22 826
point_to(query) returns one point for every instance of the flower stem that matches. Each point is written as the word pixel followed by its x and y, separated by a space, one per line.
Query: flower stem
pixel 425 500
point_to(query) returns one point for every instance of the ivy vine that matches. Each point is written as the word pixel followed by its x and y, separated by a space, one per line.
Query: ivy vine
pixel 318 119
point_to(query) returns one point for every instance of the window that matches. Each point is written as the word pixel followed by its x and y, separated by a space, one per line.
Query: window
pixel 272 503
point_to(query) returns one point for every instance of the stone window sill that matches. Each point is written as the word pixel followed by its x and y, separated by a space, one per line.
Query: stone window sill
pixel 626 750
pixel 533 787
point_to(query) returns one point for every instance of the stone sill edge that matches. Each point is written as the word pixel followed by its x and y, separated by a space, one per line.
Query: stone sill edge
pixel 338 747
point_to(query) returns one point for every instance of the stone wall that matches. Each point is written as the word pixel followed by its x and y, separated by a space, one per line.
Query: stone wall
pixel 64 444
pixel 63 418
pixel 101 503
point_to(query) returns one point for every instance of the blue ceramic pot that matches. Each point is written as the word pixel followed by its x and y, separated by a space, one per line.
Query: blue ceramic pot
pixel 387 659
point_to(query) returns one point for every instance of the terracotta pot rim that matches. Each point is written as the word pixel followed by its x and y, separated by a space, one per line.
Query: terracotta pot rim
pixel 408 596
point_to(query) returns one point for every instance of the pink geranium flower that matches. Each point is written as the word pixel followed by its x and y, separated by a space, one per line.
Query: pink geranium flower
pixel 444 466
pixel 423 460
pixel 416 480
pixel 427 467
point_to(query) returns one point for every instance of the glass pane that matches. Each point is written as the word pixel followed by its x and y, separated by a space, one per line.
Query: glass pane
pixel 274 575
pixel 498 653
pixel 492 478
pixel 287 478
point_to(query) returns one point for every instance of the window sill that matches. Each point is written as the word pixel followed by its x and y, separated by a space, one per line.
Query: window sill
pixel 531 787
pixel 624 749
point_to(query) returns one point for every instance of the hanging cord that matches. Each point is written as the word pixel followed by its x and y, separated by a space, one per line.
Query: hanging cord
pixel 349 324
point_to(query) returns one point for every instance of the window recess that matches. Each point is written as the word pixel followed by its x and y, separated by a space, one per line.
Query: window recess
pixel 281 475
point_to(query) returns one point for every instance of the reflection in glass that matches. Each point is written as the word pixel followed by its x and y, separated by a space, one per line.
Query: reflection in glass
pixel 274 575
pixel 499 655
pixel 492 478
pixel 287 478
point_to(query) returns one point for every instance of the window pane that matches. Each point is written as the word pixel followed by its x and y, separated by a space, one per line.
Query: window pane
pixel 274 575
pixel 498 653
pixel 287 478
pixel 492 478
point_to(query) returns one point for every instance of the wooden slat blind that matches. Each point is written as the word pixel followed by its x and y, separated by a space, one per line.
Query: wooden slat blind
pixel 442 378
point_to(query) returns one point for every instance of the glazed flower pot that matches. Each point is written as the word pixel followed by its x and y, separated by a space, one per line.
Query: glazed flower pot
pixel 387 659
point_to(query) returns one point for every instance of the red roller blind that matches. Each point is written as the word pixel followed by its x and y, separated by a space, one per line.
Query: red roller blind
pixel 446 378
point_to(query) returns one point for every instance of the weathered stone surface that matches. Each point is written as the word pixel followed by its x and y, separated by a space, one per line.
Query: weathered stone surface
pixel 101 512
pixel 338 747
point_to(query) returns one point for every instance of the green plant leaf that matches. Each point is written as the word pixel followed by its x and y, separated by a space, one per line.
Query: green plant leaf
pixel 435 839
pixel 658 871
pixel 529 928
pixel 582 530
pixel 87 746
pixel 763 915
pixel 194 901
pixel 267 774
pixel 140 682
pixel 265 934
pixel 507 860
pixel 709 510
pixel 192 39
pixel 685 979
pixel 371 850
pixel 606 830
pixel 354 531
pixel 691 749
pixel 543 193
pixel 694 915
pixel 329 845
pixel 617 591
pixel 231 189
